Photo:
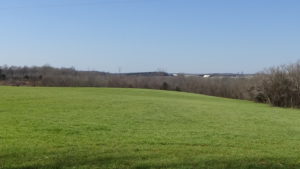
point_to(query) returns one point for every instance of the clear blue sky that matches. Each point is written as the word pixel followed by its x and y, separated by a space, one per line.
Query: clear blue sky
pixel 192 36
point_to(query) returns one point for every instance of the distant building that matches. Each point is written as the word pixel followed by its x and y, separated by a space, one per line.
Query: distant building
pixel 206 76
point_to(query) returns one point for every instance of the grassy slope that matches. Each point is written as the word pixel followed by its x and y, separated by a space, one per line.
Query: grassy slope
pixel 134 128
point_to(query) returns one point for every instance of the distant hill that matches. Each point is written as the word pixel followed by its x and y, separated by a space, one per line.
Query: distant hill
pixel 187 74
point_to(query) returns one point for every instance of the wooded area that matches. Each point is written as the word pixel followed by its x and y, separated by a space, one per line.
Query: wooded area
pixel 279 86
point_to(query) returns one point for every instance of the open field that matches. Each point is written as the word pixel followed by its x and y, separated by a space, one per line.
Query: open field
pixel 89 128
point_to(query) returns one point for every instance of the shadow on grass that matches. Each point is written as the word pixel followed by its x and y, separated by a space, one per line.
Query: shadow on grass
pixel 137 162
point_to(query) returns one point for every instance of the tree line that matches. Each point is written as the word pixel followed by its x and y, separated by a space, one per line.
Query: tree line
pixel 279 86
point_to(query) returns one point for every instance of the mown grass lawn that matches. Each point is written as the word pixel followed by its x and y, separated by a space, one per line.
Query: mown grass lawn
pixel 89 128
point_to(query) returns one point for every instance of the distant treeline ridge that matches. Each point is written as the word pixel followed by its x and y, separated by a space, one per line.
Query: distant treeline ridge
pixel 279 86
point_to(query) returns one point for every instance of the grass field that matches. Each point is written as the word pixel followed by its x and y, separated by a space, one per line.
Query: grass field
pixel 87 128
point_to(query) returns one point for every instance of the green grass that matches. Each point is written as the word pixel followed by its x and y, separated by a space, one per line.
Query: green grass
pixel 89 128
